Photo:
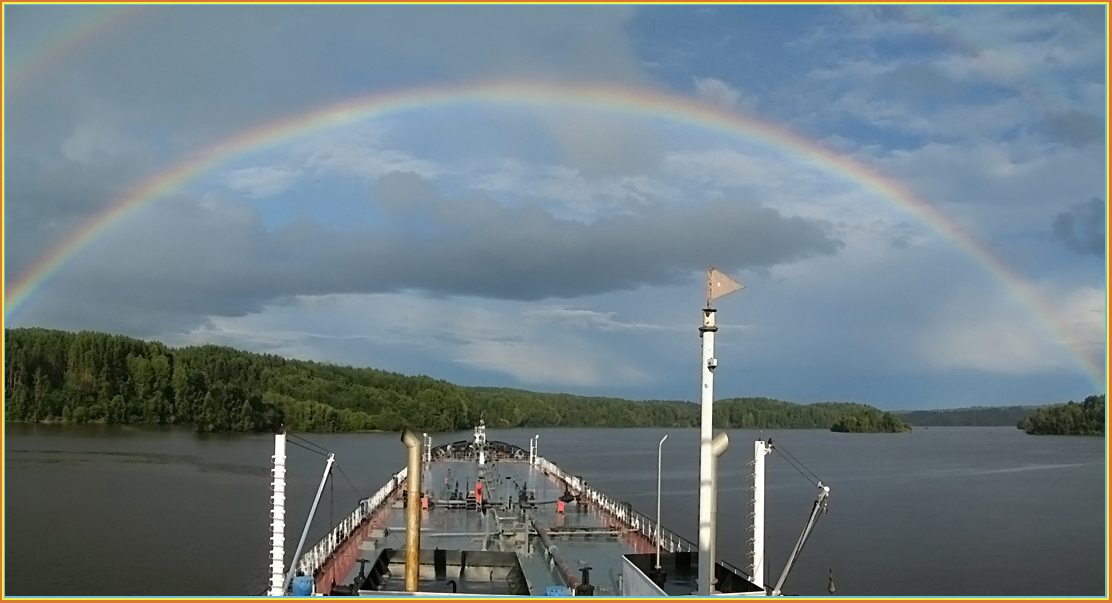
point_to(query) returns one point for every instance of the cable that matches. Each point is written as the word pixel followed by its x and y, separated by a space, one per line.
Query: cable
pixel 796 464
pixel 786 452
pixel 313 444
pixel 347 479
pixel 307 441
pixel 307 448
pixel 798 469
pixel 789 455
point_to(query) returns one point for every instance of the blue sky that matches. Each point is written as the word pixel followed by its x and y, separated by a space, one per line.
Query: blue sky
pixel 558 250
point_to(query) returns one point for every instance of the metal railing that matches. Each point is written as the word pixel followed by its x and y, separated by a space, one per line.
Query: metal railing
pixel 316 557
pixel 671 542
pixel 623 512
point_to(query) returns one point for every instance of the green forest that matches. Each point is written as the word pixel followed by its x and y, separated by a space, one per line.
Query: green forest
pixel 89 377
pixel 1071 418
pixel 870 421
pixel 985 416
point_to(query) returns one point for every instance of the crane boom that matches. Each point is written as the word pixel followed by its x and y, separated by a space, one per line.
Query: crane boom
pixel 818 508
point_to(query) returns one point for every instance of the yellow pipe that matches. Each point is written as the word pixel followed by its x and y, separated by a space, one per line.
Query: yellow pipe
pixel 413 511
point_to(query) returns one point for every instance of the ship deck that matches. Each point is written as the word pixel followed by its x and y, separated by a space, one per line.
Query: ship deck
pixel 520 514
pixel 503 522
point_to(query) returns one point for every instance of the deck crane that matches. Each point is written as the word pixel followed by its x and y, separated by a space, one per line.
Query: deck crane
pixel 819 508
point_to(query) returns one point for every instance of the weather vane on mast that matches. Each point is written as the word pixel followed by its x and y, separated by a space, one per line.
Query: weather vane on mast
pixel 718 284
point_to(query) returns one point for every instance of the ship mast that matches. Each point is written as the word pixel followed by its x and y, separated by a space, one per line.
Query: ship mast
pixel 718 284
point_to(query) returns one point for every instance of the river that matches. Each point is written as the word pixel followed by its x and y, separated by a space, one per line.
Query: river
pixel 960 511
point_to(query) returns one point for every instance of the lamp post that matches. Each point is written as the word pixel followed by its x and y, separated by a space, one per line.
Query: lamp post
pixel 659 458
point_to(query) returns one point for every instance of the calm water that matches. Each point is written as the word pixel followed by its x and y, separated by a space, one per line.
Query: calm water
pixel 101 510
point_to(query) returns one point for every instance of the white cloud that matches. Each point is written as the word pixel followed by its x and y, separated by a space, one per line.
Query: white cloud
pixel 882 113
pixel 1081 316
pixel 564 190
pixel 540 363
pixel 1018 46
pixel 590 319
pixel 353 153
pixel 222 211
pixel 849 70
pixel 996 343
pixel 970 72
pixel 794 187
pixel 1001 338
pixel 724 168
pixel 361 150
pixel 255 332
pixel 601 145
pixel 723 94
pixel 262 181
pixel 98 142
pixel 899 99
pixel 529 344
pixel 995 188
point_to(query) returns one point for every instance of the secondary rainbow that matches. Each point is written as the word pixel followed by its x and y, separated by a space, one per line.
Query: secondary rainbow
pixel 87 27
pixel 625 100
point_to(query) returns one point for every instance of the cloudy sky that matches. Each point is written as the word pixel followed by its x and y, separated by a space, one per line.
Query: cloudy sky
pixel 562 245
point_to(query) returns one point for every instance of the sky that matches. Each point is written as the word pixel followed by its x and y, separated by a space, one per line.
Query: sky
pixel 550 242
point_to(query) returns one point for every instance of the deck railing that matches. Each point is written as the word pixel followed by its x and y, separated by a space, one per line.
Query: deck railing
pixel 316 557
pixel 623 512
pixel 671 542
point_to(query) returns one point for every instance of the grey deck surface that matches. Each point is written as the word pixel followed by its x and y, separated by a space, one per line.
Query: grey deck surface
pixel 582 536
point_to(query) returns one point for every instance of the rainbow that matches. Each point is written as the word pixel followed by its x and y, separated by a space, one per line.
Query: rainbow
pixel 625 100
pixel 86 27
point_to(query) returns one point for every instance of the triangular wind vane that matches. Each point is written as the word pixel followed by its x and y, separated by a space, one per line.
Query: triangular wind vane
pixel 718 284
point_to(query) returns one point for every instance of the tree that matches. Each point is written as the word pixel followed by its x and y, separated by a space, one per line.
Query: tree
pixel 1070 418
pixel 115 379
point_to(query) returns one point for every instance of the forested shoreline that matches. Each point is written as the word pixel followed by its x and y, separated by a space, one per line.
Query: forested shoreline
pixel 983 416
pixel 90 377
pixel 1071 418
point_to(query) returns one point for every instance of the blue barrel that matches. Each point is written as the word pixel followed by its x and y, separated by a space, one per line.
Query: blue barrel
pixel 302 586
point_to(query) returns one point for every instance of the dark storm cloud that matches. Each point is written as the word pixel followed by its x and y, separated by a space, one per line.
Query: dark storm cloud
pixel 162 82
pixel 45 200
pixel 1081 228
pixel 165 81
pixel 192 72
pixel 195 259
